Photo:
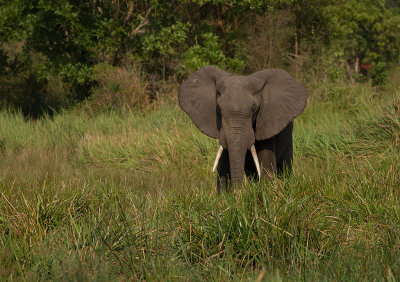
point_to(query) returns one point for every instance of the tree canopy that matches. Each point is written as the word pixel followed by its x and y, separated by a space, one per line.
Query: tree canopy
pixel 49 49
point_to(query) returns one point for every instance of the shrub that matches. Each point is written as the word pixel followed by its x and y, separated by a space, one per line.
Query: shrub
pixel 269 40
pixel 379 74
pixel 210 53
pixel 118 88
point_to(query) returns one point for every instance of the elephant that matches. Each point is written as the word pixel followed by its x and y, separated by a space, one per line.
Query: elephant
pixel 252 116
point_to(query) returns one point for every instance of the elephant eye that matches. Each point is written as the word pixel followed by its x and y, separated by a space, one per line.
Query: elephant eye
pixel 254 108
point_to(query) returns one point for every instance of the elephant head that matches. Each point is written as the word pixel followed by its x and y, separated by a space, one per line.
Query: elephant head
pixel 238 110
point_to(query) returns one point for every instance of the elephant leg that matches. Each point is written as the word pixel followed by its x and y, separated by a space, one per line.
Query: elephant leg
pixel 284 165
pixel 284 144
pixel 266 156
pixel 223 172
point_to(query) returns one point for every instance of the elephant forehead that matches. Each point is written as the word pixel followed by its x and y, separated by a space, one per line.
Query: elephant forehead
pixel 235 84
pixel 236 98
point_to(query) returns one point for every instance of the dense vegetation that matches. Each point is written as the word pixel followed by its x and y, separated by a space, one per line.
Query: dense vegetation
pixel 54 54
pixel 117 182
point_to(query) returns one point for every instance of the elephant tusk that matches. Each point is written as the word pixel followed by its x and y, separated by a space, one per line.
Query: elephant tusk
pixel 254 154
pixel 219 153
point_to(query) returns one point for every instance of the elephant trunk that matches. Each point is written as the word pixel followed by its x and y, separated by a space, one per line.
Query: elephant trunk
pixel 237 137
pixel 237 155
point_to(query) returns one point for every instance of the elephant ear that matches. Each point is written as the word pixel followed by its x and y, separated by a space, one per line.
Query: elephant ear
pixel 283 99
pixel 197 97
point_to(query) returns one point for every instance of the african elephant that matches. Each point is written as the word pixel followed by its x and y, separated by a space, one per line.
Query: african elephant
pixel 252 116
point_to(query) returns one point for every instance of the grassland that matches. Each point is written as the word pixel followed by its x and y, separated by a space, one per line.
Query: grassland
pixel 132 196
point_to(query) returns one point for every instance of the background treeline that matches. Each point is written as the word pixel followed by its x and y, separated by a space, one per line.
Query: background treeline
pixel 123 53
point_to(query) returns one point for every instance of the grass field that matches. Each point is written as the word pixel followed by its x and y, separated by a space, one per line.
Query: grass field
pixel 132 196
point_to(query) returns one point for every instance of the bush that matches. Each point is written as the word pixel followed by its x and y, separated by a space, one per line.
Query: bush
pixel 161 49
pixel 210 53
pixel 269 40
pixel 379 74
pixel 118 88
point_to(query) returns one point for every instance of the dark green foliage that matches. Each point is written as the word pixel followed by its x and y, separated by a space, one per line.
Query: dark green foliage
pixel 379 74
pixel 210 53
pixel 169 39
pixel 369 31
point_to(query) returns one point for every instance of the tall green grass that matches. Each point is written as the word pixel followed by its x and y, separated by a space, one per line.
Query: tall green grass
pixel 132 196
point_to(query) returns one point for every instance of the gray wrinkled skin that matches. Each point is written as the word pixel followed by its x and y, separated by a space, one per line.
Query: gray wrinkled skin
pixel 244 110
